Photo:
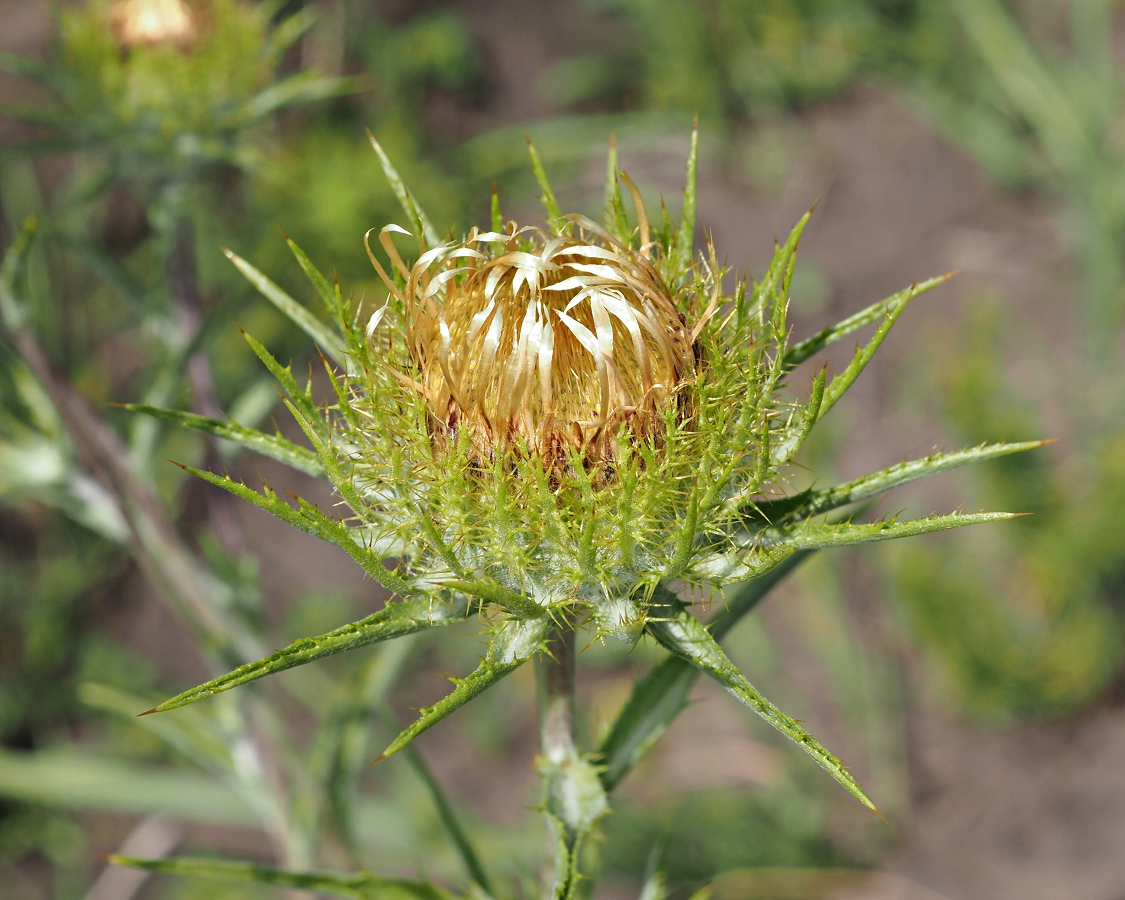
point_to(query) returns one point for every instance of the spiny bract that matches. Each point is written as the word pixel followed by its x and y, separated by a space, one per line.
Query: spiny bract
pixel 560 424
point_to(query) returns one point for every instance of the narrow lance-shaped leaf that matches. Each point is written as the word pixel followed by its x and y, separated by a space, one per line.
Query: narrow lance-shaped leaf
pixel 406 201
pixel 770 547
pixel 548 198
pixel 329 295
pixel 393 621
pixel 685 243
pixel 272 445
pixel 863 355
pixel 514 643
pixel 810 346
pixel 813 503
pixel 312 521
pixel 301 397
pixel 327 339
pixel 659 697
pixel 362 886
pixel 684 635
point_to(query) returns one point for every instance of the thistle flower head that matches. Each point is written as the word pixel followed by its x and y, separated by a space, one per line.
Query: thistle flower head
pixel 152 22
pixel 561 426
pixel 554 343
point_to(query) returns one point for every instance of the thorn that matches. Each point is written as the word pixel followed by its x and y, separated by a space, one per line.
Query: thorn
pixel 875 810
pixel 186 469
pixel 812 208
pixel 149 712
pixel 284 235
pixel 382 756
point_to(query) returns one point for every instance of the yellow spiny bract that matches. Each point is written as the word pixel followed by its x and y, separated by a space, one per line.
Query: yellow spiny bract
pixel 556 343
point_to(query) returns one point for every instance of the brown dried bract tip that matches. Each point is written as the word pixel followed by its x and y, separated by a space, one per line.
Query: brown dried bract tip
pixel 543 341
pixel 152 22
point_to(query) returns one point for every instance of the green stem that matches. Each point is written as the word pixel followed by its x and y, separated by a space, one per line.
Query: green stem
pixel 574 799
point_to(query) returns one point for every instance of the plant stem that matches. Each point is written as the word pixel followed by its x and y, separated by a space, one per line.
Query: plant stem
pixel 556 694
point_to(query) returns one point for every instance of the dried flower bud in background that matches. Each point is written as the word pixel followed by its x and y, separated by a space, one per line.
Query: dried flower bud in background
pixel 152 22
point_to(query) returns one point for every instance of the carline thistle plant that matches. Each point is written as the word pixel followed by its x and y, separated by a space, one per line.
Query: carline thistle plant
pixel 560 426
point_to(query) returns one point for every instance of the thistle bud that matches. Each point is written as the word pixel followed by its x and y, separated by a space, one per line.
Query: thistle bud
pixel 152 23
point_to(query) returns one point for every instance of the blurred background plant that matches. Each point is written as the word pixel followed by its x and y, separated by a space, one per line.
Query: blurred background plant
pixel 139 161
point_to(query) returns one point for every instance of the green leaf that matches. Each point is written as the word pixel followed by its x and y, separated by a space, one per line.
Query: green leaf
pixel 813 503
pixel 329 341
pixel 514 642
pixel 416 214
pixel 810 346
pixel 863 355
pixel 770 547
pixel 362 886
pixel 78 779
pixel 548 198
pixel 312 521
pixel 302 87
pixel 659 697
pixel 329 294
pixel 11 309
pixel 284 375
pixel 799 432
pixel 394 620
pixel 685 244
pixel 272 445
pixel 684 635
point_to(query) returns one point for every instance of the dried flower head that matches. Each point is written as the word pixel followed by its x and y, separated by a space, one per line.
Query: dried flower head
pixel 553 343
pixel 152 22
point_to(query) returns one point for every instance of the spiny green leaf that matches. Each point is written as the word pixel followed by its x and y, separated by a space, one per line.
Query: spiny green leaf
pixel 548 198
pixel 614 213
pixel 324 337
pixel 768 548
pixel 514 643
pixel 810 346
pixel 312 521
pixel 272 445
pixel 416 214
pixel 362 886
pixel 813 503
pixel 800 431
pixel 301 397
pixel 329 294
pixel 684 635
pixel 393 621
pixel 659 697
pixel 685 243
pixel 863 355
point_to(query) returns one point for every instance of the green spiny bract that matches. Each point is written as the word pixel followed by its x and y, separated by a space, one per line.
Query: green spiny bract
pixel 459 453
